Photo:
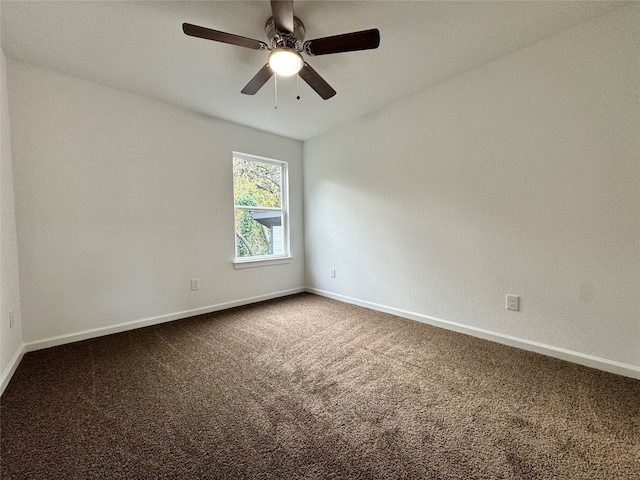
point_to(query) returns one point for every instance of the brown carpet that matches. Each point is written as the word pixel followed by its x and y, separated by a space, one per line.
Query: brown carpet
pixel 308 387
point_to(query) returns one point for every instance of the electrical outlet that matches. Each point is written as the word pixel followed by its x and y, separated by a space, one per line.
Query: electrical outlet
pixel 332 273
pixel 513 302
pixel 11 318
pixel 195 284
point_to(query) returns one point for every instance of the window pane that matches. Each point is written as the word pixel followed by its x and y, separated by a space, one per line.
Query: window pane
pixel 257 184
pixel 258 232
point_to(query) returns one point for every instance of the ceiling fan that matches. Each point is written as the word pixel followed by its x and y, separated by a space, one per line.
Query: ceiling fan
pixel 286 37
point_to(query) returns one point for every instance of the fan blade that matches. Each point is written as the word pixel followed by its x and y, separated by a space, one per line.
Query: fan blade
pixel 207 33
pixel 282 11
pixel 316 82
pixel 347 42
pixel 258 81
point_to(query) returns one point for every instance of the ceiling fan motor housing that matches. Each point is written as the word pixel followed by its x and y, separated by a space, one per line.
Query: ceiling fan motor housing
pixel 286 39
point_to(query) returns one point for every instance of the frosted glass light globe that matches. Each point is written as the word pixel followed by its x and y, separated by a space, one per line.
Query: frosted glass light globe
pixel 285 61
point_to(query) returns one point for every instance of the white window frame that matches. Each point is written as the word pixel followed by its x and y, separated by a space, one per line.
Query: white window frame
pixel 272 259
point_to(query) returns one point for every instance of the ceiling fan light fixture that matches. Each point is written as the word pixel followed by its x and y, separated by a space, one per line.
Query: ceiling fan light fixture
pixel 285 61
pixel 286 36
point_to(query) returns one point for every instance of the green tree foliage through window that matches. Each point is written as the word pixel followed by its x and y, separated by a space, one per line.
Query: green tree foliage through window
pixel 259 211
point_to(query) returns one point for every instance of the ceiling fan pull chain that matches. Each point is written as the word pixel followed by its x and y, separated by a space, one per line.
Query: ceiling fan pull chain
pixel 297 86
pixel 275 83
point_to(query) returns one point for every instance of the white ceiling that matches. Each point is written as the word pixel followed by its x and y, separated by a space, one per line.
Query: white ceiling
pixel 138 46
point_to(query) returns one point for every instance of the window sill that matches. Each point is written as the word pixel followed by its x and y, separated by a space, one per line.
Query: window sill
pixel 260 262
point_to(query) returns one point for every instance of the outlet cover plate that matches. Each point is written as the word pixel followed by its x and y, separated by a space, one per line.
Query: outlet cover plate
pixel 513 302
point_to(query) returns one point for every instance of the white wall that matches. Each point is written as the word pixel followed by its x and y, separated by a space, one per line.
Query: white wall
pixel 521 177
pixel 10 337
pixel 121 200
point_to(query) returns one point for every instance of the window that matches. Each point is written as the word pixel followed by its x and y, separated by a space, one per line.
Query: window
pixel 260 191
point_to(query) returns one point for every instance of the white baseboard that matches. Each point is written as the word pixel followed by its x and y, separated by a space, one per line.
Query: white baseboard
pixel 126 326
pixel 568 355
pixel 611 366
pixel 11 369
pixel 147 322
